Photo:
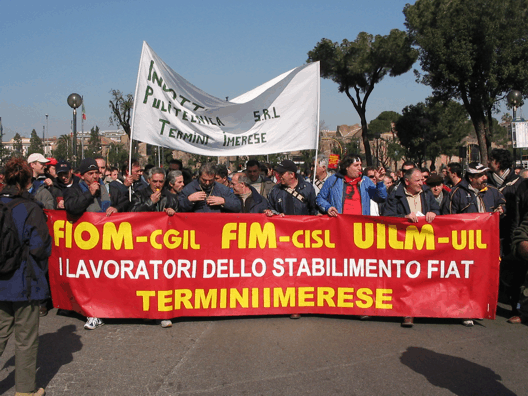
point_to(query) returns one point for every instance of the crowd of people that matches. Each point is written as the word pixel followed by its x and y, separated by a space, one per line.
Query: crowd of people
pixel 410 192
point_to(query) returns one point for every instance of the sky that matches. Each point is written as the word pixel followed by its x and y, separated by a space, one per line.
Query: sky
pixel 52 49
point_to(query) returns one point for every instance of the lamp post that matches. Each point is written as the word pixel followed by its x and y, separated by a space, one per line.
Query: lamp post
pixel 74 101
pixel 47 130
pixel 514 99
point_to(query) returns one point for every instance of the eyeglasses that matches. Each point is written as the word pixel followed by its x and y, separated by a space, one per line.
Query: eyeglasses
pixel 372 177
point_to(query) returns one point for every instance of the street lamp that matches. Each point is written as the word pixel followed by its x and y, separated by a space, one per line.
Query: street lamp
pixel 75 101
pixel 514 99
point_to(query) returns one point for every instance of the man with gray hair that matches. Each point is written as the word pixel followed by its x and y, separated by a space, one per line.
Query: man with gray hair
pixel 251 200
pixel 175 183
pixel 205 195
pixel 153 198
pixel 321 172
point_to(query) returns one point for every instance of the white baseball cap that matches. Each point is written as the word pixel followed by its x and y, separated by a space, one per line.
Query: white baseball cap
pixel 37 157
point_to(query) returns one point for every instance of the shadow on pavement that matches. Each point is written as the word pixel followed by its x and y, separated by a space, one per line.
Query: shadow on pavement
pixel 458 375
pixel 55 350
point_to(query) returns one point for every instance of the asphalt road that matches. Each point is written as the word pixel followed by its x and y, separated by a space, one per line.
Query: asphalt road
pixel 315 355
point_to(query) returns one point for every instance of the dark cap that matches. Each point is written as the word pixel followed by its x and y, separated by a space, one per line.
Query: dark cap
pixel 434 180
pixel 476 168
pixel 88 164
pixel 62 166
pixel 286 166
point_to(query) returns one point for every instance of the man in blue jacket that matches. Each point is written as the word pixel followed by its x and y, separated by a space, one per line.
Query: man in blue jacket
pixel 349 192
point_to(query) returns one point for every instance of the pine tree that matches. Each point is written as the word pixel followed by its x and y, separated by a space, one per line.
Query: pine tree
pixel 35 144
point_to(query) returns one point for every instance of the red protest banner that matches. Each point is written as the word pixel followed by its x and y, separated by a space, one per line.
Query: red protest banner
pixel 150 265
pixel 333 161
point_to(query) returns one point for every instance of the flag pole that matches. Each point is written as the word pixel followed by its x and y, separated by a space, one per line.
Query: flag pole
pixel 317 126
pixel 82 129
pixel 134 118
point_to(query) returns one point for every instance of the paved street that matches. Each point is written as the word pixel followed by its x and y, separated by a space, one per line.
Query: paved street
pixel 316 355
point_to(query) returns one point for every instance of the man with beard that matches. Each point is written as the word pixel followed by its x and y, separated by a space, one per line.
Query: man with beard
pixel 206 195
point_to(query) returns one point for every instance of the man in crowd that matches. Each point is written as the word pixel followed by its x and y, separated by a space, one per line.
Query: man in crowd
pixel 206 195
pixel 222 175
pixel 176 164
pixel 349 191
pixel 262 184
pixel 503 177
pixel 294 195
pixel 153 198
pixel 133 179
pixel 321 173
pixel 251 200
pixel 454 173
pixel 411 200
pixel 436 184
pixel 65 179
pixel 39 189
pixel 175 183
pixel 473 195
pixel 51 168
pixel 388 181
pixel 88 196
pixel 520 251
pixel 405 167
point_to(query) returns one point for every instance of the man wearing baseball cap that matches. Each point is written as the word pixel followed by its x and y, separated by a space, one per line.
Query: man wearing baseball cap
pixel 473 195
pixel 39 188
pixel 88 196
pixel 294 195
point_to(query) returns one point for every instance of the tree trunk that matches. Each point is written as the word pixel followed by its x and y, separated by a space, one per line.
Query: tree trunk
pixel 480 129
pixel 366 143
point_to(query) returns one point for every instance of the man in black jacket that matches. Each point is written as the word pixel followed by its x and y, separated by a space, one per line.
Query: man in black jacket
pixel 252 201
pixel 88 196
pixel 154 198
pixel 411 200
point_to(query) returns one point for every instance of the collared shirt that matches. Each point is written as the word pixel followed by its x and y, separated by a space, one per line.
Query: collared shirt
pixel 414 201
pixel 480 202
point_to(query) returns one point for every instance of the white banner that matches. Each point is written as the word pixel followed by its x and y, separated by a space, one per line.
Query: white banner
pixel 278 116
